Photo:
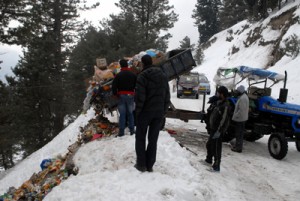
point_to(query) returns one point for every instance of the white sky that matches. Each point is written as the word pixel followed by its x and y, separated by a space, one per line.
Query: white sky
pixel 183 27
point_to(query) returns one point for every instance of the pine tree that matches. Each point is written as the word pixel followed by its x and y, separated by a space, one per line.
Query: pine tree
pixel 10 10
pixel 151 17
pixel 8 138
pixel 186 43
pixel 93 44
pixel 199 55
pixel 47 32
pixel 206 16
pixel 233 12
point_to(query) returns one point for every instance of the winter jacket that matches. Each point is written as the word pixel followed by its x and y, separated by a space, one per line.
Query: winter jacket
pixel 241 109
pixel 152 91
pixel 124 82
pixel 219 117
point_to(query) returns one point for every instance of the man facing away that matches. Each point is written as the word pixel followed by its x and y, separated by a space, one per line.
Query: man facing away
pixel 124 87
pixel 240 116
pixel 152 102
pixel 218 124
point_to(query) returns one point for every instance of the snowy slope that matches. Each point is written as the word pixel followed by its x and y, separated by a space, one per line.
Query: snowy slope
pixel 219 53
pixel 106 167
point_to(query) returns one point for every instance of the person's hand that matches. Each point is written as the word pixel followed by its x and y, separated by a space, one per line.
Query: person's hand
pixel 216 135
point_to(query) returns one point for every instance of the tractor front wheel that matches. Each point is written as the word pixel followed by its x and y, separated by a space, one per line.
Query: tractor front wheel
pixel 278 146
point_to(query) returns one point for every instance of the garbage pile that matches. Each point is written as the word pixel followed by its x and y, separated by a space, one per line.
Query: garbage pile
pixel 56 170
pixel 99 93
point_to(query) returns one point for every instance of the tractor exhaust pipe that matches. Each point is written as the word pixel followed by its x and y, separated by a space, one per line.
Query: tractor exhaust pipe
pixel 283 91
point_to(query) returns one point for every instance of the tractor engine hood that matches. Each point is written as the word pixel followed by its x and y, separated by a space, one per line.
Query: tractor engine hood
pixel 267 103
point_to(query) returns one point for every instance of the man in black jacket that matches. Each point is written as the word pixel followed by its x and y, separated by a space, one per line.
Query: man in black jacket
pixel 152 102
pixel 218 124
pixel 124 87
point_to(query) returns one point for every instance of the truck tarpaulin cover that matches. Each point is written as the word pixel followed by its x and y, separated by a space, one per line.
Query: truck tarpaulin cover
pixel 229 77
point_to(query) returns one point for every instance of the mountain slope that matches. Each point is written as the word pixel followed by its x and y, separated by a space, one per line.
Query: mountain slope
pixel 259 45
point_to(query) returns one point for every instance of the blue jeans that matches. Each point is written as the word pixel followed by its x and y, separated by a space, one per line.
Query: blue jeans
pixel 125 107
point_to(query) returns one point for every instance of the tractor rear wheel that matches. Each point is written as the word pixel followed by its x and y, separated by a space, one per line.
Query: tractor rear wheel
pixel 298 145
pixel 278 146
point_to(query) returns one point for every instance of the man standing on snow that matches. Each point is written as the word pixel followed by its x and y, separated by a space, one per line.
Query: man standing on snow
pixel 124 86
pixel 240 116
pixel 218 123
pixel 152 102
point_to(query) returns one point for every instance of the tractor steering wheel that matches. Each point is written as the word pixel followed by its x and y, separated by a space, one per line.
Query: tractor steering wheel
pixel 259 92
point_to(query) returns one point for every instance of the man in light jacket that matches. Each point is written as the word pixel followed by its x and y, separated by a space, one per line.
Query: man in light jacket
pixel 240 116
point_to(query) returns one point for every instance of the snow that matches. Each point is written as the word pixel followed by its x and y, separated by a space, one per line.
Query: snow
pixel 106 169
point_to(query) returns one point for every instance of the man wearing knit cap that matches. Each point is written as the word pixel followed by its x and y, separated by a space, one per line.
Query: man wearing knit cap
pixel 218 124
pixel 123 86
pixel 240 116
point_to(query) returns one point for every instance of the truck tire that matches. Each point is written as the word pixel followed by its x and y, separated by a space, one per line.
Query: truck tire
pixel 298 145
pixel 278 146
pixel 197 96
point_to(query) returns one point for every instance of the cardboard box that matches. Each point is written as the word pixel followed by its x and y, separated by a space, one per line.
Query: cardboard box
pixel 101 62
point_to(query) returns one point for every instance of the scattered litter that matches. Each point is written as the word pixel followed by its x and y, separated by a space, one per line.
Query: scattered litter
pixel 56 170
pixel 172 132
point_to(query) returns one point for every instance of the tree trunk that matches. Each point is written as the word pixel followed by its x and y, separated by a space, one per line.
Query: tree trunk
pixel 3 157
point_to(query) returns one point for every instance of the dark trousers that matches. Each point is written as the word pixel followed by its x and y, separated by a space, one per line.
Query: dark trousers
pixel 239 128
pixel 151 122
pixel 214 151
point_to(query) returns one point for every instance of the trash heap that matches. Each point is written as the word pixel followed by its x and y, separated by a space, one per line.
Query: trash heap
pixel 56 170
pixel 99 92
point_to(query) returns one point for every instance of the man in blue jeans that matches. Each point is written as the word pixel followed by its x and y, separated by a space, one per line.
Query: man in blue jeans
pixel 123 86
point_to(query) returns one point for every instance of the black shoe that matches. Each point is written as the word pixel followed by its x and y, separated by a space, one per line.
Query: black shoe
pixel 236 150
pixel 150 169
pixel 206 162
pixel 140 168
pixel 214 169
pixel 132 132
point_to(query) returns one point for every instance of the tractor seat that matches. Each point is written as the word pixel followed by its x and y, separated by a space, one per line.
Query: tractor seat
pixel 255 92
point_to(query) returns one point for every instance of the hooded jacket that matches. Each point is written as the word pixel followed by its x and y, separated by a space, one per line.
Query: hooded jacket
pixel 152 91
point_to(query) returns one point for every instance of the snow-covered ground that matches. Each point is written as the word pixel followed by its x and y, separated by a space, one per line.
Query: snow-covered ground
pixel 106 169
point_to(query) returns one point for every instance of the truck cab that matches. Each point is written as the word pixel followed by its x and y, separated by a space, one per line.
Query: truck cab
pixel 188 85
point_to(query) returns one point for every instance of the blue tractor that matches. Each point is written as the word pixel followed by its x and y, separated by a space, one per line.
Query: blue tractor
pixel 267 115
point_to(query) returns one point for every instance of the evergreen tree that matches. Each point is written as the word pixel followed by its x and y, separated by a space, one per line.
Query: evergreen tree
pixel 47 32
pixel 151 17
pixel 233 12
pixel 93 44
pixel 186 43
pixel 206 15
pixel 8 138
pixel 10 10
pixel 199 55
